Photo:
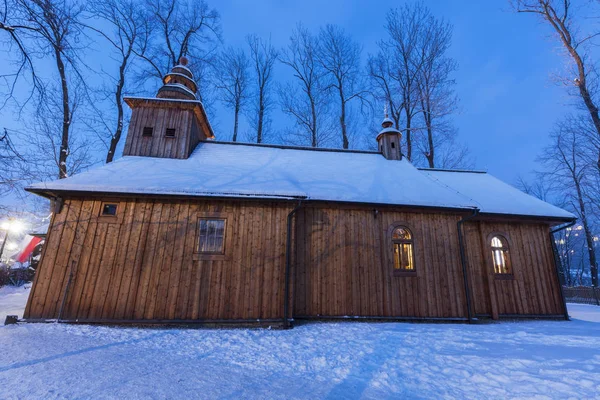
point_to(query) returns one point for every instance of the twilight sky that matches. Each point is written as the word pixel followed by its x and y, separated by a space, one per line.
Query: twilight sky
pixel 508 101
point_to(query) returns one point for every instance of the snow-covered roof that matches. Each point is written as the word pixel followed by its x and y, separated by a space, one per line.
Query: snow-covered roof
pixel 237 170
pixel 491 195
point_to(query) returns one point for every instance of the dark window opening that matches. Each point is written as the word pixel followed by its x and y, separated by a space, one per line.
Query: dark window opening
pixel 393 145
pixel 147 132
pixel 109 209
pixel 170 132
pixel 211 236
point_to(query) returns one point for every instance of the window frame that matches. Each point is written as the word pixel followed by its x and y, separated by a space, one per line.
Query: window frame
pixel 173 136
pixel 490 249
pixel 109 204
pixel 227 234
pixel 151 128
pixel 391 246
pixel 111 219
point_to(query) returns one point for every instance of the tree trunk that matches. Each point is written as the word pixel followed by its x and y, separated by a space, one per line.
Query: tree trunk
pixel 261 113
pixel 588 235
pixel 114 141
pixel 236 114
pixel 431 150
pixel 345 143
pixel 313 110
pixel 408 138
pixel 64 144
pixel 562 29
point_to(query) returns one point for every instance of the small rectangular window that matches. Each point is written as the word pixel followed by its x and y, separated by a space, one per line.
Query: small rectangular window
pixel 147 132
pixel 109 209
pixel 170 132
pixel 211 236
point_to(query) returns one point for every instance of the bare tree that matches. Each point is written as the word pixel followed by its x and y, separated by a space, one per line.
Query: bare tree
pixel 180 28
pixel 435 85
pixel 406 27
pixel 340 57
pixel 559 15
pixel 384 88
pixel 449 152
pixel 565 163
pixel 54 26
pixel 126 23
pixel 305 99
pixel 10 159
pixel 263 56
pixel 232 82
pixel 13 25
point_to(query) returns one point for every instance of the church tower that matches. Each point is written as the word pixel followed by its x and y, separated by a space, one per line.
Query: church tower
pixel 171 124
pixel 388 140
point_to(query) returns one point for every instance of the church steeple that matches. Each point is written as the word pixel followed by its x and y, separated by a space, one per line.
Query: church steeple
pixel 179 83
pixel 171 124
pixel 388 139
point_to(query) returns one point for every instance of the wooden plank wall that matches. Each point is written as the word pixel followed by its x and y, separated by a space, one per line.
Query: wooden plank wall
pixel 344 265
pixel 158 145
pixel 143 268
pixel 535 289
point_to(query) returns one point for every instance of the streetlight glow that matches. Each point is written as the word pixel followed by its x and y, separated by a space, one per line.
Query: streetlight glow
pixel 13 225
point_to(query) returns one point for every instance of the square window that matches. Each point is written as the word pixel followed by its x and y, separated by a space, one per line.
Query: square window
pixel 109 209
pixel 170 132
pixel 211 236
pixel 147 132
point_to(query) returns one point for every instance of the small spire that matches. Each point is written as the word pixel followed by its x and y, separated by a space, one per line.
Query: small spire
pixel 387 122
pixel 183 61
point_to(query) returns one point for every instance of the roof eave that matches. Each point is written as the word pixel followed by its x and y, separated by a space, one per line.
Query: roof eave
pixel 197 106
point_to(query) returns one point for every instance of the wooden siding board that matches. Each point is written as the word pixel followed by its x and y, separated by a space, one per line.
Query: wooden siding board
pixel 93 271
pixel 177 261
pixel 80 279
pixel 143 267
pixel 147 261
pixel 166 267
pixel 78 257
pixel 136 236
pixel 116 278
pixel 57 285
pixel 47 265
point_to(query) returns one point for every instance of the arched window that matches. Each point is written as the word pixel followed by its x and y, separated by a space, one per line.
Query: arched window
pixel 404 259
pixel 500 255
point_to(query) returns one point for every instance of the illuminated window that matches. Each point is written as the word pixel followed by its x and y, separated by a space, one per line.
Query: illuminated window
pixel 404 259
pixel 500 255
pixel 211 235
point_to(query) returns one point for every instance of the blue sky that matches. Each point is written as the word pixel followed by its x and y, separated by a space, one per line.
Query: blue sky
pixel 508 101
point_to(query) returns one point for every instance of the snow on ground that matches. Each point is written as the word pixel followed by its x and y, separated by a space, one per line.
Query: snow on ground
pixel 532 359
pixel 12 300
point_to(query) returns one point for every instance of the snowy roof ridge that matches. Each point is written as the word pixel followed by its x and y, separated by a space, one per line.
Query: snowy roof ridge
pixel 294 147
pixel 232 169
pixel 466 171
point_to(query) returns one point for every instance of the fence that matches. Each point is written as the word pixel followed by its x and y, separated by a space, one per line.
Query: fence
pixel 582 295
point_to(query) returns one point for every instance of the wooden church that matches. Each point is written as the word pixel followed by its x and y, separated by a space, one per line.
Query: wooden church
pixel 186 229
